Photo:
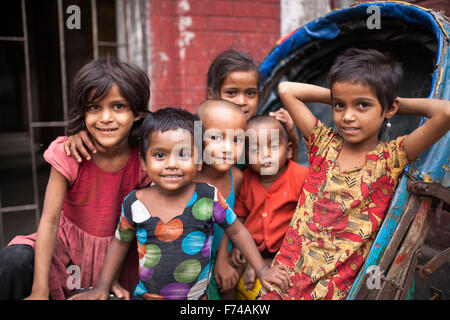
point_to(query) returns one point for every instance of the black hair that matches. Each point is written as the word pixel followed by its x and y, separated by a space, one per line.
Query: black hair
pixel 265 119
pixel 370 67
pixel 98 76
pixel 168 119
pixel 225 63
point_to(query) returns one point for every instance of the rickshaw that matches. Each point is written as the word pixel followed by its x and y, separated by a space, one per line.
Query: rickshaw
pixel 419 39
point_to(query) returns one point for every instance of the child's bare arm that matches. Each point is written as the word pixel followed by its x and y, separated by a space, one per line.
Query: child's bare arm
pixel 294 95
pixel 113 260
pixel 225 275
pixel 278 275
pixel 78 143
pixel 437 125
pixel 46 234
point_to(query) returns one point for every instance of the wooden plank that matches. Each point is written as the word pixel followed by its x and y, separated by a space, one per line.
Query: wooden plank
pixel 392 247
pixel 403 261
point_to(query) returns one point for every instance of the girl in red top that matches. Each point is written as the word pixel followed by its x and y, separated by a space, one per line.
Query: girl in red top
pixel 82 200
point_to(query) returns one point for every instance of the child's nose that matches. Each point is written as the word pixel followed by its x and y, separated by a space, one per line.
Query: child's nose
pixel 266 152
pixel 106 115
pixel 241 100
pixel 349 115
pixel 172 161
pixel 227 146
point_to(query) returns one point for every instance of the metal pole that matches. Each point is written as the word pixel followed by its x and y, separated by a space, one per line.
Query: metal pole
pixel 30 112
pixel 62 59
pixel 94 28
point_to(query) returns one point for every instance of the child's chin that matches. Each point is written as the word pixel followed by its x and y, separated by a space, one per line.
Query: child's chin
pixel 269 171
pixel 222 167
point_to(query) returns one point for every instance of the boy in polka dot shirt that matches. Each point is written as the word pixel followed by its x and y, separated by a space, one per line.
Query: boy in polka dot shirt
pixel 173 218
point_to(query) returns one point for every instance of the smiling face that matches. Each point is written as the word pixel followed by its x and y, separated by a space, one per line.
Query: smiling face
pixel 224 137
pixel 358 114
pixel 241 87
pixel 110 119
pixel 169 160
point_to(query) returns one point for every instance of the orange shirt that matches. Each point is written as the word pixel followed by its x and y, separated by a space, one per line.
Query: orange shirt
pixel 268 212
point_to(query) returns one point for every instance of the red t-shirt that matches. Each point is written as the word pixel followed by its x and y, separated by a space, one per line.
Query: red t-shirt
pixel 268 212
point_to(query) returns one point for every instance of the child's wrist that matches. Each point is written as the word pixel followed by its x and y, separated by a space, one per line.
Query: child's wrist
pixel 103 286
pixel 40 291
pixel 261 271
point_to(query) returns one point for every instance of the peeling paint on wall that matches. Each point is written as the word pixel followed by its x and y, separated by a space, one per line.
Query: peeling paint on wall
pixel 183 23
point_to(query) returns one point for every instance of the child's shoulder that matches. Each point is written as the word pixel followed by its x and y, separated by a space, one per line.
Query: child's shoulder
pixel 132 197
pixel 57 157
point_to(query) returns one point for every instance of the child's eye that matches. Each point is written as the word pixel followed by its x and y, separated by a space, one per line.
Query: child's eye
pixel 216 138
pixel 237 140
pixel 184 154
pixel 338 106
pixel 252 149
pixel 118 106
pixel 252 93
pixel 159 155
pixel 363 105
pixel 93 107
pixel 230 93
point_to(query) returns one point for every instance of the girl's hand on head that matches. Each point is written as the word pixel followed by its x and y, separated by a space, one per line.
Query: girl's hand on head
pixel 283 116
pixel 236 259
pixel 278 275
pixel 91 294
pixel 77 143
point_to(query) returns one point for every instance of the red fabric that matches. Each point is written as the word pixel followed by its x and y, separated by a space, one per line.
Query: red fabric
pixel 90 214
pixel 268 212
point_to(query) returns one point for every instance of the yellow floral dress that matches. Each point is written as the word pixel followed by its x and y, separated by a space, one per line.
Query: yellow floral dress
pixel 337 217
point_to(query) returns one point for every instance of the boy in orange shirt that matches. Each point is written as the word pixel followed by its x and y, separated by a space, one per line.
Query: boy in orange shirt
pixel 268 196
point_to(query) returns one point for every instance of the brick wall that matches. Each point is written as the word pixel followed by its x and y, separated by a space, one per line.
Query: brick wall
pixel 185 36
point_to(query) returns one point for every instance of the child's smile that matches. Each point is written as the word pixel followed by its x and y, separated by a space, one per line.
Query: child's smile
pixel 169 160
pixel 109 120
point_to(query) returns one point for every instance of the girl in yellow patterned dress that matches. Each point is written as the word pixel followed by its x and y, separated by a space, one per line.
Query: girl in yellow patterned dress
pixel 352 174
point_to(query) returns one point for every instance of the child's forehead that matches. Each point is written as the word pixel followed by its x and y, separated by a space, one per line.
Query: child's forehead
pixel 265 126
pixel 352 87
pixel 223 118
pixel 170 137
pixel 241 77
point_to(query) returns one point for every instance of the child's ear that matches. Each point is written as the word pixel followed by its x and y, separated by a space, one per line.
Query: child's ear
pixel 289 151
pixel 143 164
pixel 392 110
pixel 138 116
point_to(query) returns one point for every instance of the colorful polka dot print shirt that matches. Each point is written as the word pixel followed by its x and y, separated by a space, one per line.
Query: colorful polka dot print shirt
pixel 174 258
